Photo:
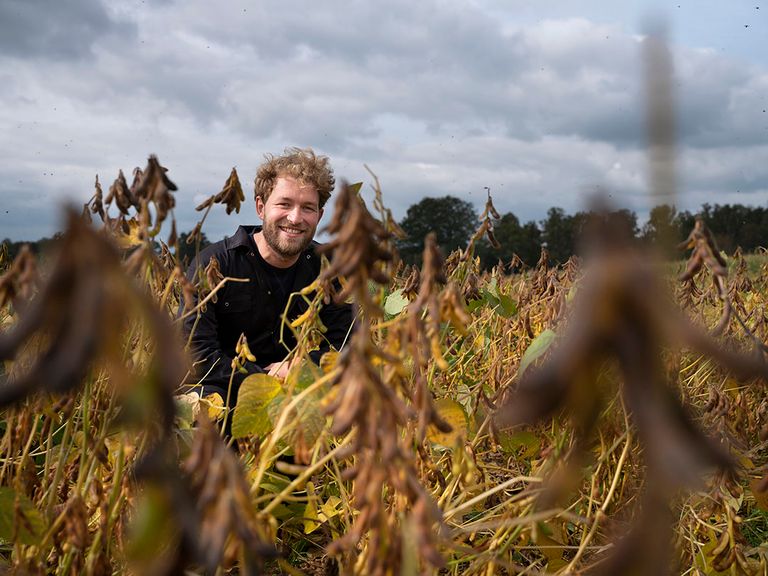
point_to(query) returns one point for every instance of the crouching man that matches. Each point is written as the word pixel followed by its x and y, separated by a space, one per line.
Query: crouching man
pixel 278 258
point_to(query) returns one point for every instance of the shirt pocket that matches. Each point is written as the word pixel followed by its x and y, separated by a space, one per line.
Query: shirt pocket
pixel 234 304
pixel 235 314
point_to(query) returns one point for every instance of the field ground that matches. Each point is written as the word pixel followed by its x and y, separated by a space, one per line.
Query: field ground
pixel 107 468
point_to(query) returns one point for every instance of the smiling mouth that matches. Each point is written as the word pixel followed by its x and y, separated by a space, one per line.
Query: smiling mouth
pixel 292 231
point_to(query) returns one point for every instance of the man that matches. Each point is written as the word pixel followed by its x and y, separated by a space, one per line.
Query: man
pixel 278 258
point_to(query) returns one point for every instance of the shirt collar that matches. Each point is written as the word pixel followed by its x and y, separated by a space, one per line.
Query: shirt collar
pixel 243 238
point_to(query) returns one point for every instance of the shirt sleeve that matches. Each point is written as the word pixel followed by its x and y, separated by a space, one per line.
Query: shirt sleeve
pixel 212 368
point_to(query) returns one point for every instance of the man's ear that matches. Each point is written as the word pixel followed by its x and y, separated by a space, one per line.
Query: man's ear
pixel 260 207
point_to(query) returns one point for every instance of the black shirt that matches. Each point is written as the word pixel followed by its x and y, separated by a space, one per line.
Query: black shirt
pixel 254 308
pixel 280 279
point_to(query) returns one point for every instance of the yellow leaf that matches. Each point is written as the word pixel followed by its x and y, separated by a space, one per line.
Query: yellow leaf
pixel 410 547
pixel 703 559
pixel 479 343
pixel 330 507
pixel 329 398
pixel 453 413
pixel 131 239
pixel 437 354
pixel 215 404
pixel 746 462
pixel 550 547
pixel 328 361
pixel 311 516
pixel 251 414
pixel 761 496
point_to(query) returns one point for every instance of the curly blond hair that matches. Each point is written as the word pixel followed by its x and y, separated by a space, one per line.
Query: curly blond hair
pixel 300 163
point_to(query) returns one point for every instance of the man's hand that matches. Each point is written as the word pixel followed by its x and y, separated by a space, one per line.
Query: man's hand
pixel 281 369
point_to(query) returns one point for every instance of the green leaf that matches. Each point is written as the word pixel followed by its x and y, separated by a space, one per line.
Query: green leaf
pixel 410 553
pixel 275 482
pixel 491 299
pixel 538 346
pixel 395 303
pixel 506 307
pixel 302 376
pixel 275 407
pixel 254 423
pixel 151 528
pixel 31 525
pixel 512 443
pixel 286 512
pixel 250 416
pixel 187 406
pixel 475 304
pixel 312 420
pixel 492 288
pixel 571 294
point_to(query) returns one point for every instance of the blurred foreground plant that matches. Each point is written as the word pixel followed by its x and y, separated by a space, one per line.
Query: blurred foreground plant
pixel 92 363
pixel 394 510
pixel 621 311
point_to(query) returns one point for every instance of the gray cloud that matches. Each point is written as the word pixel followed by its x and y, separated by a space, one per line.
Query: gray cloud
pixel 437 97
pixel 55 30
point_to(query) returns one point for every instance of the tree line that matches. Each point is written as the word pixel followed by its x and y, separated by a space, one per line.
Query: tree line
pixel 454 221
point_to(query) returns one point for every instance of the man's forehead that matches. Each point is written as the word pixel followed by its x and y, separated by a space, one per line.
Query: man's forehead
pixel 299 182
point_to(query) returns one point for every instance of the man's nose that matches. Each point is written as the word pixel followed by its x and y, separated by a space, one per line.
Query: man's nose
pixel 294 214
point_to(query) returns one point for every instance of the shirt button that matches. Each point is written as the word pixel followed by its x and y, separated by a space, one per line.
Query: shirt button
pixel 269 292
pixel 226 304
pixel 250 253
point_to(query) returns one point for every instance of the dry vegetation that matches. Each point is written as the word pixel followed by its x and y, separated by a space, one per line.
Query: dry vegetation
pixel 580 419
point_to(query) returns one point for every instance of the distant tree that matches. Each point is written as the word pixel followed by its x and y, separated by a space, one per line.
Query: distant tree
pixel 627 219
pixel 663 230
pixel 754 232
pixel 38 247
pixel 188 251
pixel 525 241
pixel 723 222
pixel 662 225
pixel 560 231
pixel 735 225
pixel 452 220
pixel 685 221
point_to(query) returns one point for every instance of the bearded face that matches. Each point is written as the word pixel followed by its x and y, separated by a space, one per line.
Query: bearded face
pixel 290 216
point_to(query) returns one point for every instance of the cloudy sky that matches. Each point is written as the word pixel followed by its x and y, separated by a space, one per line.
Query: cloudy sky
pixel 540 100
